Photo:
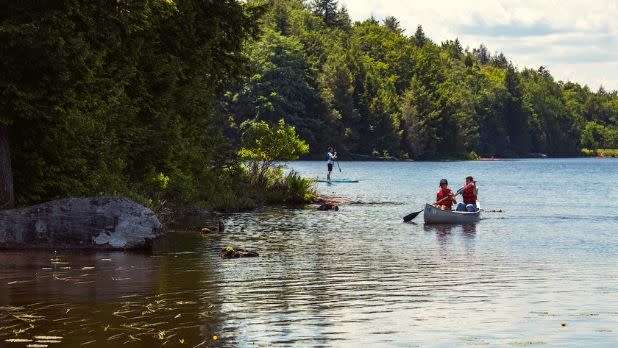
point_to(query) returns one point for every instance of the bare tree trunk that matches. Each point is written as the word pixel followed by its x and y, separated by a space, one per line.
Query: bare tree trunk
pixel 6 174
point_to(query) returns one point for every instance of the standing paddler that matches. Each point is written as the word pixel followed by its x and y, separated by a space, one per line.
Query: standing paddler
pixel 331 156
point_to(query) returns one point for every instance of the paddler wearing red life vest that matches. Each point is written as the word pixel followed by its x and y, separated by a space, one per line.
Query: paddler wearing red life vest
pixel 445 196
pixel 469 193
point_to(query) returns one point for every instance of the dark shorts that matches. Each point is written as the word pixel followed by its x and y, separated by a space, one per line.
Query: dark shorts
pixel 330 167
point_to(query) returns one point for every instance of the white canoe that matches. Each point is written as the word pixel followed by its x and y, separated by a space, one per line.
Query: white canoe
pixel 434 215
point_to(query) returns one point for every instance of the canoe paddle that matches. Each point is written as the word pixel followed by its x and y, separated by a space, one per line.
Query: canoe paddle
pixel 338 166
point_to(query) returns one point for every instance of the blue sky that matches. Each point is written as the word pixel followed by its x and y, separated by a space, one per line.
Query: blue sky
pixel 575 40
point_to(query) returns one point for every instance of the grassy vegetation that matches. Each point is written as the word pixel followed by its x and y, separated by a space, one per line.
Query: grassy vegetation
pixel 600 152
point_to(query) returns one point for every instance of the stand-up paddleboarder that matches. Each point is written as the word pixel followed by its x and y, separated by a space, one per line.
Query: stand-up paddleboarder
pixel 331 156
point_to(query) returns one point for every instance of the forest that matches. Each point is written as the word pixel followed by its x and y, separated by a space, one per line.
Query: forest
pixel 178 102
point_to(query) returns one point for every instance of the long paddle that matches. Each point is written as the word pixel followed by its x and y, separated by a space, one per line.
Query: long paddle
pixel 415 214
pixel 338 166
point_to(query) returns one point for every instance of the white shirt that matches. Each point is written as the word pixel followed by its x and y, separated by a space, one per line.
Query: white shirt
pixel 331 159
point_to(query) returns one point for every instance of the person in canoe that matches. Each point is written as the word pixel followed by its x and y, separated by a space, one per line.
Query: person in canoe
pixel 445 197
pixel 469 193
pixel 331 156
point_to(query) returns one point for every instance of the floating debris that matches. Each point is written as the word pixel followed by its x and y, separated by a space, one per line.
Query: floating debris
pixel 19 282
pixel 48 337
pixel 17 340
pixel 115 336
pixel 230 252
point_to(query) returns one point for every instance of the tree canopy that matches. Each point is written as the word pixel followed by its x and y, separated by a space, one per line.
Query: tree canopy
pixel 152 98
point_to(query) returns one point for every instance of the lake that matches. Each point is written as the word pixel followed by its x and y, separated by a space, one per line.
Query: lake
pixel 540 269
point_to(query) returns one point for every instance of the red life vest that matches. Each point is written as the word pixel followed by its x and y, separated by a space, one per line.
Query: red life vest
pixel 469 194
pixel 444 193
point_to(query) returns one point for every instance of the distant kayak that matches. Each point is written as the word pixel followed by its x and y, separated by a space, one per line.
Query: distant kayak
pixel 337 180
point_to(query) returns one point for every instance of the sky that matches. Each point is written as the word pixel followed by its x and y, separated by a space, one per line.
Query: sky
pixel 576 40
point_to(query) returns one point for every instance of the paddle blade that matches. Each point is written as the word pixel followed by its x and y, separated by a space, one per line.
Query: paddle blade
pixel 411 216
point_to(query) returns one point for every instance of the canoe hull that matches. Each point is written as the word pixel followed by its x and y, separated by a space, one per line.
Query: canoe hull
pixel 433 215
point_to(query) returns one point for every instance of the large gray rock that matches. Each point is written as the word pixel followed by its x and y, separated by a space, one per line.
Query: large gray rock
pixel 95 223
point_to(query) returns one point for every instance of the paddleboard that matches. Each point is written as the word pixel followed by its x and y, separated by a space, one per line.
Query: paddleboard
pixel 338 180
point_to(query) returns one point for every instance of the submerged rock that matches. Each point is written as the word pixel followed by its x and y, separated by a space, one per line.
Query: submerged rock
pixel 232 253
pixel 89 223
pixel 325 207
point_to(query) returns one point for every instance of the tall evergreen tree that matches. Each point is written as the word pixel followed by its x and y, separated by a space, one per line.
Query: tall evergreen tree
pixel 393 24
pixel 419 36
pixel 327 10
pixel 482 54
pixel 516 114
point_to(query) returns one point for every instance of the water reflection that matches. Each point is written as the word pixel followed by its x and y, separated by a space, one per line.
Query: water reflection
pixel 445 233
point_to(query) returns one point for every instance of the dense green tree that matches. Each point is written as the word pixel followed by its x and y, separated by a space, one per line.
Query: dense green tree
pixel 453 48
pixel 281 86
pixel 482 54
pixel 596 136
pixel 337 91
pixel 516 114
pixel 552 128
pixel 327 10
pixel 99 97
pixel 419 37
pixel 343 20
pixel 262 145
pixel 393 24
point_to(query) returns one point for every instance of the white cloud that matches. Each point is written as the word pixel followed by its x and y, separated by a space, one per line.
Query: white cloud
pixel 576 40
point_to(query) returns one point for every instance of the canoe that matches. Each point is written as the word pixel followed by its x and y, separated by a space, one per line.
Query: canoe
pixel 434 215
pixel 338 180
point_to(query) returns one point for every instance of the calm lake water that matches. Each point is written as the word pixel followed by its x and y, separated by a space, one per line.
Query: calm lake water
pixel 543 272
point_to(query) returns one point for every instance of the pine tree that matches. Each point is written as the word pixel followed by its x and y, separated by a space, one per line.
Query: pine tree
pixel 327 10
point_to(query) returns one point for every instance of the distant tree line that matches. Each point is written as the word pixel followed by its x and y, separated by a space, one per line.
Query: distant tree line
pixel 369 89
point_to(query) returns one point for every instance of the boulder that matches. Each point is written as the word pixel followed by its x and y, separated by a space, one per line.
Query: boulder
pixel 89 223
